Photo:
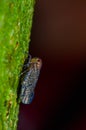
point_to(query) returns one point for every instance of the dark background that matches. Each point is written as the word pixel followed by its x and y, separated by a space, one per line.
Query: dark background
pixel 59 38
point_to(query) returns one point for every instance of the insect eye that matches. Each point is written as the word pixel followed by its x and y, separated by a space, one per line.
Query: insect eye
pixel 38 60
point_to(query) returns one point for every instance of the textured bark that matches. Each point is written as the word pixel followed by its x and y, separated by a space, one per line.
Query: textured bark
pixel 15 29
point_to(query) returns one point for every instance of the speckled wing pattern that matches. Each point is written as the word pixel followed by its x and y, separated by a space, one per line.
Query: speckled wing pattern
pixel 29 80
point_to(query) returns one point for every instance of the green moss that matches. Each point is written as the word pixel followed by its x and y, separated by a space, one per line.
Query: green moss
pixel 15 29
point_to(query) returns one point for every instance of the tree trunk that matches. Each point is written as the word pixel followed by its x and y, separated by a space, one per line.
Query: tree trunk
pixel 15 28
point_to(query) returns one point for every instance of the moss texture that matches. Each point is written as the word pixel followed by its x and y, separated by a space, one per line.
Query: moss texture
pixel 15 28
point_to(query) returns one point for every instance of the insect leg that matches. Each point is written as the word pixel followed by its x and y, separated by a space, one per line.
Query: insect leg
pixel 29 57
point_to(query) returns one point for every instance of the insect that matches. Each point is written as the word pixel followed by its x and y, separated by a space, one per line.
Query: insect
pixel 29 79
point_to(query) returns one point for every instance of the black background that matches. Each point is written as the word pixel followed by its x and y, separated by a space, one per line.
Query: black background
pixel 59 38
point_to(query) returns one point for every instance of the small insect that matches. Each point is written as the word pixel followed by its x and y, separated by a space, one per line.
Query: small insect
pixel 29 79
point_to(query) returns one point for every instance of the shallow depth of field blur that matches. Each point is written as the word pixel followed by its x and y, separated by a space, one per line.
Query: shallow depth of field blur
pixel 59 38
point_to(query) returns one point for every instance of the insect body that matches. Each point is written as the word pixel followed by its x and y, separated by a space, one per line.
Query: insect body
pixel 29 79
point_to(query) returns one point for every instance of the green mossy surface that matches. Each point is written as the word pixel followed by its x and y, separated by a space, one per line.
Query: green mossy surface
pixel 15 28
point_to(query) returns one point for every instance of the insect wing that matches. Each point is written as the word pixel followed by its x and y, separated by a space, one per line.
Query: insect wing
pixel 28 84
